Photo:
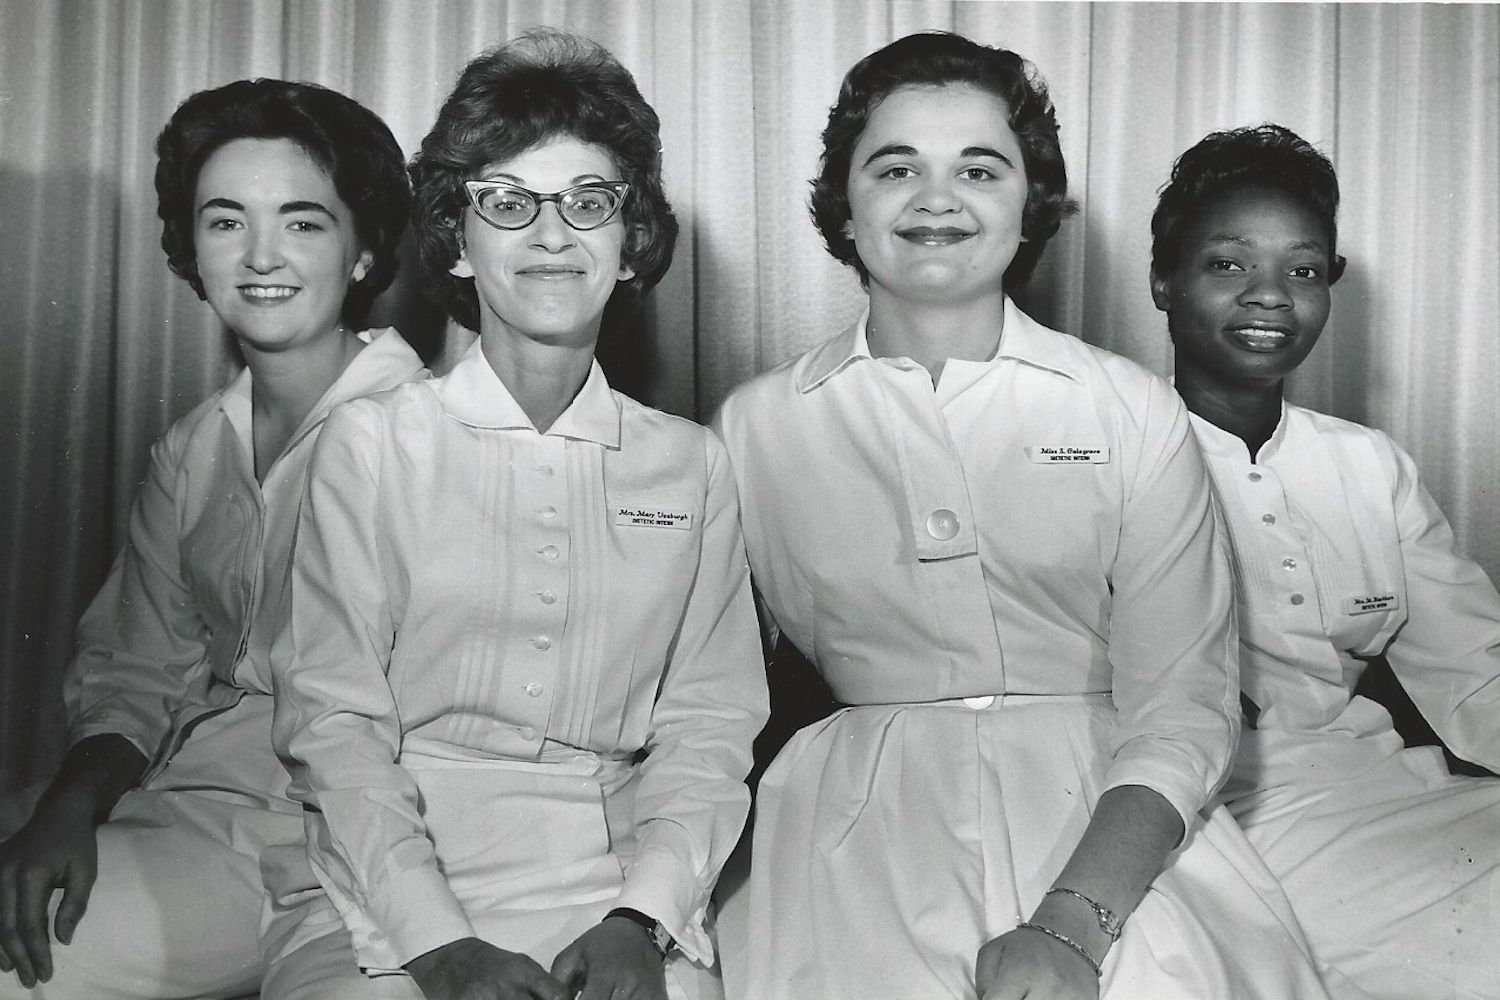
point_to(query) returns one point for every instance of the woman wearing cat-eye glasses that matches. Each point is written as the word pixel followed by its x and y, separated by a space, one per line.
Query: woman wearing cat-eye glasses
pixel 522 674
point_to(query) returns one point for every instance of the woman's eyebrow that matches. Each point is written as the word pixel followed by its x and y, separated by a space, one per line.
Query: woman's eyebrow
pixel 890 149
pixel 290 207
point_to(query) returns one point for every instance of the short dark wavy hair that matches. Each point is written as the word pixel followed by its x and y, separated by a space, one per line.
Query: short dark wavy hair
pixel 938 58
pixel 349 141
pixel 1221 163
pixel 543 84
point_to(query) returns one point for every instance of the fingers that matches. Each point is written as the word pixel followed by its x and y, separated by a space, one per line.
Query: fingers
pixel 77 883
pixel 33 892
pixel 546 987
pixel 568 966
pixel 15 955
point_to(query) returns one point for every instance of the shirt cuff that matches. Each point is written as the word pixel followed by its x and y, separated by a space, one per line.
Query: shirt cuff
pixel 660 885
pixel 412 915
pixel 1183 793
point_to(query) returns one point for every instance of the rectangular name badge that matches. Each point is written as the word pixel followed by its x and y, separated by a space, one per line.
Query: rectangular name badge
pixel 1370 604
pixel 1055 454
pixel 653 517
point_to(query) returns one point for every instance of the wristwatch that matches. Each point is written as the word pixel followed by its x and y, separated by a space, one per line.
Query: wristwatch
pixel 660 939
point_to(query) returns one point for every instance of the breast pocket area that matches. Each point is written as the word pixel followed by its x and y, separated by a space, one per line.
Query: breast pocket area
pixel 1363 623
pixel 651 531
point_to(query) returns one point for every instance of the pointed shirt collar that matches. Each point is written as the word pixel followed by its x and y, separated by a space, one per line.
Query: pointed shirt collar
pixel 1023 340
pixel 476 396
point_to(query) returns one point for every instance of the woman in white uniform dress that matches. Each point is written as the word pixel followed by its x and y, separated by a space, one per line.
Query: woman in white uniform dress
pixel 1388 860
pixel 282 205
pixel 522 673
pixel 997 545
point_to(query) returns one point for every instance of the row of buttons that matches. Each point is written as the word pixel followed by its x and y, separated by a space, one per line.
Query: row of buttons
pixel 1289 564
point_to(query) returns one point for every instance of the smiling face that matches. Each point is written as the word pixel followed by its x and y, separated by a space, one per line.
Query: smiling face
pixel 937 188
pixel 276 246
pixel 547 282
pixel 1249 295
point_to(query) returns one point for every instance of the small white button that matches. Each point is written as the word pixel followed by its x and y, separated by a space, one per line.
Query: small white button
pixel 1297 599
pixel 1289 564
pixel 548 552
pixel 980 701
pixel 545 471
pixel 1255 477
pixel 942 524
pixel 542 642
pixel 1268 518
pixel 548 597
pixel 528 734
pixel 547 511
pixel 534 689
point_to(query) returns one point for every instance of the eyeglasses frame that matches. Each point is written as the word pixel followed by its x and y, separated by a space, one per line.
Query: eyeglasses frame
pixel 619 188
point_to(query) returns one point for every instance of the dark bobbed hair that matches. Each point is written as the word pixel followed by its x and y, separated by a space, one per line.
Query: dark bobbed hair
pixel 349 141
pixel 938 58
pixel 544 84
pixel 1267 156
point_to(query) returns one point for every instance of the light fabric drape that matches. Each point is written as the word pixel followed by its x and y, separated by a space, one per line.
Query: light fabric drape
pixel 102 347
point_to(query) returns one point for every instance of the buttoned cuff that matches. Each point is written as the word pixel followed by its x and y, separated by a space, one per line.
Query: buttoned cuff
pixel 412 915
pixel 660 885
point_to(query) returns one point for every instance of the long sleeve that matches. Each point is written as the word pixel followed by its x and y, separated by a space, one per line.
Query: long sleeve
pixel 337 727
pixel 692 799
pixel 1173 639
pixel 1447 654
pixel 142 643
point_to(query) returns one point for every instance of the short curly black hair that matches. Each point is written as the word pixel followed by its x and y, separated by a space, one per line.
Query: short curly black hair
pixel 1221 163
pixel 346 139
pixel 938 58
pixel 543 84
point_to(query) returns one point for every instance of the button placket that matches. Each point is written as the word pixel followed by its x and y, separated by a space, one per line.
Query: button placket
pixel 540 618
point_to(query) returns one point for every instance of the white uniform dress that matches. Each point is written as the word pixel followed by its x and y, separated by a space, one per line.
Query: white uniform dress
pixel 174 656
pixel 1016 584
pixel 519 685
pixel 1389 861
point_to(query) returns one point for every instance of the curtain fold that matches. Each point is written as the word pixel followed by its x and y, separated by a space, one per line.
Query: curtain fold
pixel 103 348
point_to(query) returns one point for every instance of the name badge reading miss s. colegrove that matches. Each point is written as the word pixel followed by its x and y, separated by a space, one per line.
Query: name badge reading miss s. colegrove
pixel 1055 454
pixel 653 517
pixel 1371 603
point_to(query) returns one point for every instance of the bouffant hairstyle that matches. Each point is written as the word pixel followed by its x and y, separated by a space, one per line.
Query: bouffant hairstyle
pixel 938 58
pixel 1268 156
pixel 544 84
pixel 350 142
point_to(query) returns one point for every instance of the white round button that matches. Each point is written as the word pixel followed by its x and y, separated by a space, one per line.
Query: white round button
pixel 548 552
pixel 528 734
pixel 548 511
pixel 545 471
pixel 942 524
pixel 542 642
pixel 1268 518
pixel 1289 564
pixel 534 689
pixel 1255 477
pixel 980 701
pixel 548 597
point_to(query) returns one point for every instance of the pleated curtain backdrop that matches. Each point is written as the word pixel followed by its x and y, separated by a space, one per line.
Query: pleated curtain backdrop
pixel 101 348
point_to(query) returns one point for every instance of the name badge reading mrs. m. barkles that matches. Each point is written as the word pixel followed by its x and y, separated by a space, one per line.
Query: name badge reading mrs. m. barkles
pixel 1059 454
pixel 636 516
pixel 1371 603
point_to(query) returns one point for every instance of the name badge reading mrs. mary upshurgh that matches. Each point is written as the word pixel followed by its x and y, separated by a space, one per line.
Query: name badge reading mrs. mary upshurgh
pixel 1058 454
pixel 629 516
